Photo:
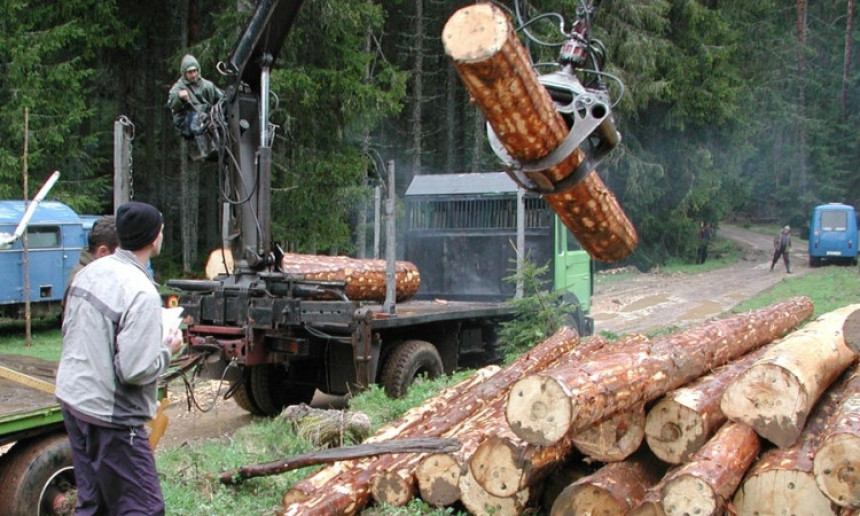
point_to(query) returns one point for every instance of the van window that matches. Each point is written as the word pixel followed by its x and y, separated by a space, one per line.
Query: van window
pixel 834 221
pixel 43 237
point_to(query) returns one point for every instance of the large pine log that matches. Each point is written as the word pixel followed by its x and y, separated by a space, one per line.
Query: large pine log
pixel 685 418
pixel 505 464
pixel 364 278
pixel 851 331
pixel 783 477
pixel 704 485
pixel 393 487
pixel 497 72
pixel 481 503
pixel 613 439
pixel 344 488
pixel 612 490
pixel 776 394
pixel 837 461
pixel 565 399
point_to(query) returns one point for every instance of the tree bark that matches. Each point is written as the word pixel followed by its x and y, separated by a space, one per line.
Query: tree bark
pixel 614 489
pixel 783 477
pixel 497 72
pixel 851 331
pixel 837 460
pixel 684 419
pixel 542 409
pixel 703 485
pixel 613 439
pixel 651 503
pixel 776 395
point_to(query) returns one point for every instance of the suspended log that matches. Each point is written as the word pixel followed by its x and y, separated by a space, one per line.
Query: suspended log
pixel 707 482
pixel 344 488
pixel 497 72
pixel 612 490
pixel 505 464
pixel 364 278
pixel 837 461
pixel 414 445
pixel 684 419
pixel 851 331
pixel 776 394
pixel 565 399
pixel 481 503
pixel 613 439
pixel 783 477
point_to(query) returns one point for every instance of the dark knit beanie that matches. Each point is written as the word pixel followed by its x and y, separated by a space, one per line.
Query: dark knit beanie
pixel 137 225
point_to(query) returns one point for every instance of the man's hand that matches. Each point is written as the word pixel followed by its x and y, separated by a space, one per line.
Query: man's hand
pixel 183 94
pixel 174 341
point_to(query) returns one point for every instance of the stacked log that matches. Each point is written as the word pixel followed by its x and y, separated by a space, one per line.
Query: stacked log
pixel 851 331
pixel 497 72
pixel 615 438
pixel 776 394
pixel 364 279
pixel 837 460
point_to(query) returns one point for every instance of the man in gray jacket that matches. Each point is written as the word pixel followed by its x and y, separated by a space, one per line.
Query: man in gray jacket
pixel 113 354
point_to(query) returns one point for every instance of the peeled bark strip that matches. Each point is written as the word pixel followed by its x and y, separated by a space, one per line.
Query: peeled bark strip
pixel 613 439
pixel 783 477
pixel 703 485
pixel 776 395
pixel 344 488
pixel 851 331
pixel 684 419
pixel 612 490
pixel 481 503
pixel 837 460
pixel 566 398
pixel 364 278
pixel 497 72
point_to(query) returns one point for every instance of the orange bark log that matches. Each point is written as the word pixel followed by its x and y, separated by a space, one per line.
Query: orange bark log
pixel 497 72
pixel 615 438
pixel 851 331
pixel 837 459
pixel 565 399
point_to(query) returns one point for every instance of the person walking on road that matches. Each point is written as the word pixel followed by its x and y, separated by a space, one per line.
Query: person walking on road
pixel 113 354
pixel 704 241
pixel 781 245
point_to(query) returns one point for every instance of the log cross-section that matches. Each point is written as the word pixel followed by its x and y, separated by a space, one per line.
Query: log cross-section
pixel 497 72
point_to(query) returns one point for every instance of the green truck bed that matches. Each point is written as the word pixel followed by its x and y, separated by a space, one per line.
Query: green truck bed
pixel 27 403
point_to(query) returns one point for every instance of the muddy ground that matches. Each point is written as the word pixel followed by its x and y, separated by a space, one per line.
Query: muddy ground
pixel 622 303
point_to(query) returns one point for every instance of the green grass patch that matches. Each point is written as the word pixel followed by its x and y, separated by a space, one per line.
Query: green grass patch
pixel 46 343
pixel 829 288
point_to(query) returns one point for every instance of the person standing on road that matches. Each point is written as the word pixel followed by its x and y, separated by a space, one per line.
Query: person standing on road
pixel 781 245
pixel 704 240
pixel 112 356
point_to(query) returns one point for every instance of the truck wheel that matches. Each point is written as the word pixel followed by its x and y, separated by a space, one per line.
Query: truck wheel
pixel 814 261
pixel 410 359
pixel 573 318
pixel 242 396
pixel 272 391
pixel 37 478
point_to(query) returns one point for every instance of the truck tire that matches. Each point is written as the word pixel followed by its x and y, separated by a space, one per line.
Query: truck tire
pixel 272 391
pixel 573 318
pixel 407 361
pixel 37 478
pixel 242 396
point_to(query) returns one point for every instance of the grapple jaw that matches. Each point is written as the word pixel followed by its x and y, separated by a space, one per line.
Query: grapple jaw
pixel 588 115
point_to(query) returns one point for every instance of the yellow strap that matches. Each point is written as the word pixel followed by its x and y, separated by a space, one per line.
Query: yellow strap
pixel 27 380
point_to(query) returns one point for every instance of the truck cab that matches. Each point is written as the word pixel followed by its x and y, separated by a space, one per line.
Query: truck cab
pixel 833 234
pixel 462 234
pixel 56 235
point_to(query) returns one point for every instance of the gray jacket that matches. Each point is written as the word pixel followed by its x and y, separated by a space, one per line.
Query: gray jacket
pixel 112 342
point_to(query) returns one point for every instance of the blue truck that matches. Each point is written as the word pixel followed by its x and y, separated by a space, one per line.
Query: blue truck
pixel 833 234
pixel 55 235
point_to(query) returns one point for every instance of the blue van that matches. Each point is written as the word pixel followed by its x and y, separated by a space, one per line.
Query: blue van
pixel 56 235
pixel 833 234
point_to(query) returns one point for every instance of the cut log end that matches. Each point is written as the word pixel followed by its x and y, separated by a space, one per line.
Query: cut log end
pixel 586 499
pixel 497 466
pixel 837 469
pixel 538 410
pixel 686 495
pixel 674 432
pixel 392 488
pixel 763 493
pixel 613 439
pixel 438 478
pixel 475 33
pixel 767 398
pixel 479 502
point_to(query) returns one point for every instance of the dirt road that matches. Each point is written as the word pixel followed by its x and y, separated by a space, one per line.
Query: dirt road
pixel 637 303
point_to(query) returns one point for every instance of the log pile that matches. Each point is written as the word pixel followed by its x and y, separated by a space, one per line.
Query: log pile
pixel 715 470
pixel 496 70
pixel 364 279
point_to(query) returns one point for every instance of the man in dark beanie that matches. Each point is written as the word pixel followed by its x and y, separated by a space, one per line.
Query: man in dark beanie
pixel 113 354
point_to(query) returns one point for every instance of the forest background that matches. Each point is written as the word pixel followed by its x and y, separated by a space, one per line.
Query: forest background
pixel 731 109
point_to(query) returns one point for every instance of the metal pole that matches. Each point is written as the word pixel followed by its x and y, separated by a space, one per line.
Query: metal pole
pixel 377 219
pixel 390 279
pixel 521 239
pixel 123 133
pixel 28 335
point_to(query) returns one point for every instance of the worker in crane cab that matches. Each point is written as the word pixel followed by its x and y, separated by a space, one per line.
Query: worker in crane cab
pixel 190 100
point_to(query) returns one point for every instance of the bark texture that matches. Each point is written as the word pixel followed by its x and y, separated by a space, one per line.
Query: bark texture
pixel 685 418
pixel 837 461
pixel 542 409
pixel 776 395
pixel 496 70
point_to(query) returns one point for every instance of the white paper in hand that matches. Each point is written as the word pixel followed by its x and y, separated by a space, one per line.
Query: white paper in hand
pixel 171 318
